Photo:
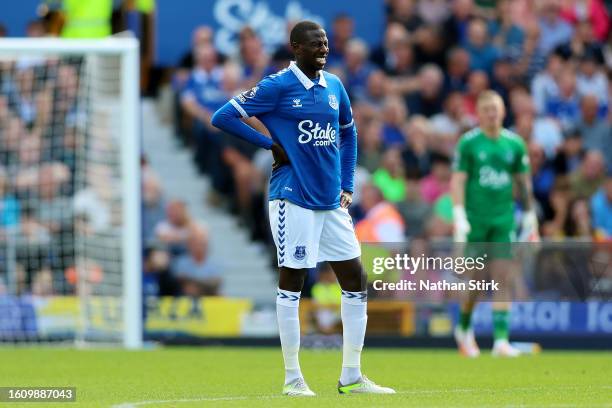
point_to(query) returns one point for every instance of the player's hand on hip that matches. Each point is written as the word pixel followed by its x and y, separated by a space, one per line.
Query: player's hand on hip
pixel 461 224
pixel 280 156
pixel 346 199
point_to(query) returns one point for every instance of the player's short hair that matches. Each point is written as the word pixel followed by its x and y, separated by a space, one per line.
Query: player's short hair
pixel 489 95
pixel 298 33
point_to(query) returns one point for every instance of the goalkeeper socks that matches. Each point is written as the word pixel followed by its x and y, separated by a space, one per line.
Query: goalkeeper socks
pixel 501 324
pixel 353 311
pixel 287 308
pixel 465 320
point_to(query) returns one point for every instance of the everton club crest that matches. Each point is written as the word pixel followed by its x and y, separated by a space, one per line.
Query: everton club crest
pixel 333 102
pixel 300 252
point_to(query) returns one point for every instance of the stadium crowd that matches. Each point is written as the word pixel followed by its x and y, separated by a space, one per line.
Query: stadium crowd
pixel 414 95
pixel 39 139
pixel 60 211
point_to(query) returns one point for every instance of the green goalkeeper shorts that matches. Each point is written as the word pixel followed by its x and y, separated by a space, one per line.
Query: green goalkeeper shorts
pixel 492 236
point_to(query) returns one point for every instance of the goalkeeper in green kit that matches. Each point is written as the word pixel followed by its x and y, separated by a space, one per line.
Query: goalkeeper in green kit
pixel 489 162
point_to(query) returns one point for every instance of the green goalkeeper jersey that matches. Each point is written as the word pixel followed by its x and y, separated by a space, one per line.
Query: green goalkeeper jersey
pixel 490 164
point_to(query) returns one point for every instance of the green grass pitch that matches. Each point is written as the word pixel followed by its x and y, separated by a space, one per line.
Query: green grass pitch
pixel 251 377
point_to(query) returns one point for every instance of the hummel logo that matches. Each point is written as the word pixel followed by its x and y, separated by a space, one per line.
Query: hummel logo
pixel 297 103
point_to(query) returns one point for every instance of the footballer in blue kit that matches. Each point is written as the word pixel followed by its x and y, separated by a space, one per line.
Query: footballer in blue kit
pixel 314 143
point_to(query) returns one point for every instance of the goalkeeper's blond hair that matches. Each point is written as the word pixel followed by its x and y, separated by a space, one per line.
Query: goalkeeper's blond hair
pixel 488 96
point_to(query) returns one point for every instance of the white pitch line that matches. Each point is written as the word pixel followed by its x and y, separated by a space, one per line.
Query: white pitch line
pixel 413 392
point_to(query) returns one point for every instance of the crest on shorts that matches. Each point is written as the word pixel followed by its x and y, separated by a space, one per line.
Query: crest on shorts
pixel 300 252
pixel 333 102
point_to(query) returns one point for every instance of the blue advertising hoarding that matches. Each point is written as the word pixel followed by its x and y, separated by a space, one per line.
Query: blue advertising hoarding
pixel 44 317
pixel 176 21
pixel 548 318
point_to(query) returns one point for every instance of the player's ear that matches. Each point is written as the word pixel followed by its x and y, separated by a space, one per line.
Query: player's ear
pixel 295 46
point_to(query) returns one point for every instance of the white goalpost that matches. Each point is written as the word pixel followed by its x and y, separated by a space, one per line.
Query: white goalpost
pixel 70 182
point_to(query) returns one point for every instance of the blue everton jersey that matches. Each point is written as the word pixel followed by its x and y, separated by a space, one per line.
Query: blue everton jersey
pixel 306 118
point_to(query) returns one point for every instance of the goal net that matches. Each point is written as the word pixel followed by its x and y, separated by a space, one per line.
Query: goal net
pixel 70 253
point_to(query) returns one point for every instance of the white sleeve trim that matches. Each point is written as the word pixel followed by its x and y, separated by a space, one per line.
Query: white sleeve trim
pixel 239 108
pixel 348 125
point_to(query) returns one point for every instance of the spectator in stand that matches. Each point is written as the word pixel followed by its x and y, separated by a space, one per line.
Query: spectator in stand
pixel 94 203
pixel 560 198
pixel 544 86
pixel 433 11
pixel 357 68
pixel 3 31
pixel 393 115
pixel 202 35
pixel 530 59
pixel 541 130
pixel 382 221
pixel 152 202
pixel 175 229
pixel 582 43
pixel 447 126
pixel 32 231
pixel 405 13
pixel 395 55
pixel 414 209
pixel 596 132
pixel 416 156
pixel 570 153
pixel 54 208
pixel 543 178
pixel 591 80
pixel 456 26
pixel 578 224
pixel 554 30
pixel 342 30
pixel 389 178
pixel 202 90
pixel 591 12
pixel 585 180
pixel 457 70
pixel 369 154
pixel 478 81
pixel 374 97
pixel 440 223
pixel 507 36
pixel 9 205
pixel 254 59
pixel 284 54
pixel 503 79
pixel 565 107
pixel 601 207
pixel 482 52
pixel 196 273
pixel 429 45
pixel 437 182
pixel 157 278
pixel 427 100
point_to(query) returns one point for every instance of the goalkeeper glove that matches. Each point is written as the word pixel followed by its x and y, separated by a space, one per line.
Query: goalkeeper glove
pixel 461 224
pixel 529 227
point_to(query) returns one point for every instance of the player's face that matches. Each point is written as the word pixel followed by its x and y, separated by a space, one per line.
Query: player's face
pixel 491 113
pixel 313 51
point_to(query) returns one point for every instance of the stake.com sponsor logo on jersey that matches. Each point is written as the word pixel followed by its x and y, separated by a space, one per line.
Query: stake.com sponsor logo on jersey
pixel 310 131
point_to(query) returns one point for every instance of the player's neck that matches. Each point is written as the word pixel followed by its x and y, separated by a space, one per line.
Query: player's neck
pixel 309 72
pixel 492 133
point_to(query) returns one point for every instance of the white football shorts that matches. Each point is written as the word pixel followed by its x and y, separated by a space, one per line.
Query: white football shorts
pixel 304 237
